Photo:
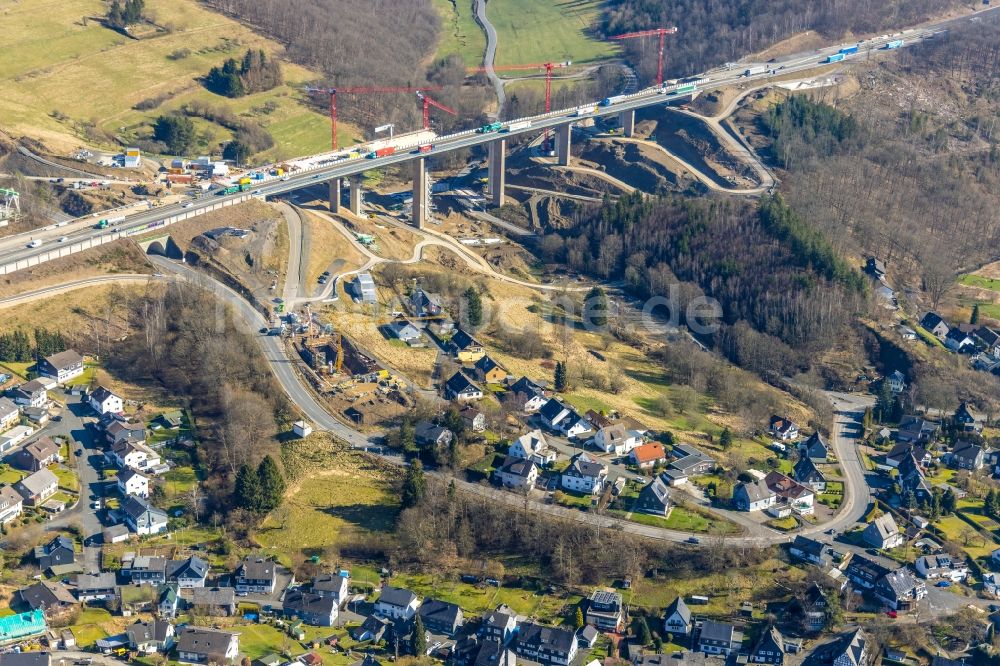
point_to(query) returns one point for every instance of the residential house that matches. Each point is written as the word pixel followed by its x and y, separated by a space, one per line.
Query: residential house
pixel 104 401
pixel 115 534
pixel 770 648
pixel 134 455
pixel 37 455
pixel 852 650
pixel 990 340
pixel 96 587
pixel 142 517
pixel 311 608
pixel 864 572
pixel 462 389
pixel 153 637
pixel 968 419
pixel 917 430
pixel 489 371
pixel 584 475
pixel 132 482
pixel 517 472
pixel 553 412
pixel 941 566
pixel 146 570
pixel 815 448
pixel 897 382
pixel 31 394
pixel 499 625
pixel 430 434
pixel 719 638
pixel 52 598
pixel 616 439
pixel 900 589
pixel 424 304
pixel 396 603
pixel 364 288
pixel 991 583
pixel 188 573
pixel 532 446
pixel 61 367
pixel 806 473
pixel 753 496
pixel 605 611
pixel 36 415
pixel 530 396
pixel 199 645
pixel 967 455
pixel 548 645
pixel 808 550
pixel 466 348
pixel 904 449
pixel 790 492
pixel 935 325
pixel 654 498
pixel 38 487
pixel 56 553
pixel 119 432
pixel 10 413
pixel 401 329
pixel 220 601
pixel 574 425
pixel 882 533
pixel 586 636
pixel 691 461
pixel 441 617
pixel 647 455
pixel 256 574
pixel 815 608
pixel 474 419
pixel 959 341
pixel 11 503
pixel 677 618
pixel 332 585
pixel 911 479
pixel 783 428
pixel 372 629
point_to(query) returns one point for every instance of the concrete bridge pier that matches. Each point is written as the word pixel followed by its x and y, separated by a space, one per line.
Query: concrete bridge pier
pixel 421 193
pixel 563 144
pixel 355 205
pixel 626 120
pixel 334 184
pixel 497 166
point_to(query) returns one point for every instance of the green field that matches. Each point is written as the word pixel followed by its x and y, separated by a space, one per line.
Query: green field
pixel 537 31
pixel 460 34
pixel 62 73
pixel 980 281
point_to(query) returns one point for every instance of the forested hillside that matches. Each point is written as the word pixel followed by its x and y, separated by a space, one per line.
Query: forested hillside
pixel 712 32
pixel 366 43
pixel 783 290
pixel 910 167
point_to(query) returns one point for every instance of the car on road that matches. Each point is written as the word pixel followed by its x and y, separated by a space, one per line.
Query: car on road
pixel 872 551
pixel 186 204
pixel 263 330
pixel 62 239
pixel 692 540
pixel 284 178
pixel 79 452
pixel 943 583
pixel 256 191
pixel 322 279
pixel 831 531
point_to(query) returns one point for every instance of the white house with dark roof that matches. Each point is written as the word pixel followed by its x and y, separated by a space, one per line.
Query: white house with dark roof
pixel 198 645
pixel 105 401
pixel 941 566
pixel 30 394
pixel 753 496
pixel 11 504
pixel 584 475
pixel 677 618
pixel 719 638
pixel 62 367
pixel 132 482
pixel 462 389
pixel 256 574
pixel 815 448
pixel 553 412
pixel 532 446
pixel 396 603
pixel 10 413
pixel 142 517
pixel 783 428
pixel 883 533
pixel 574 425
pixel 517 473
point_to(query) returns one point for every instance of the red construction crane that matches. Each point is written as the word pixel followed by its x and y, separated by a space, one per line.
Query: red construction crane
pixel 332 92
pixel 547 66
pixel 661 33
pixel 428 103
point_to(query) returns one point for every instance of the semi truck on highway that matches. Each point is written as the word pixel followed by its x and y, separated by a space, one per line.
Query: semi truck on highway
pixel 491 127
pixel 614 99
pixel 849 50
pixel 109 222
pixel 382 152
pixel 894 44
pixel 751 71
pixel 519 125
pixel 37 242
pixel 585 110
pixel 836 57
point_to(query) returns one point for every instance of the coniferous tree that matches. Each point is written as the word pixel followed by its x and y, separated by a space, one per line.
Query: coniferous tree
pixel 247 489
pixel 418 639
pixel 579 618
pixel 974 319
pixel 560 379
pixel 474 307
pixel 272 485
pixel 726 439
pixel 596 307
pixel 414 486
pixel 645 637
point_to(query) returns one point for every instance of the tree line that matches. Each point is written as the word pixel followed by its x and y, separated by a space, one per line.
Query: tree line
pixel 18 347
pixel 121 16
pixel 712 32
pixel 255 73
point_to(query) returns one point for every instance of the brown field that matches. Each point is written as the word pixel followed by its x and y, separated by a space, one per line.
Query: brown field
pixel 328 250
pixel 121 256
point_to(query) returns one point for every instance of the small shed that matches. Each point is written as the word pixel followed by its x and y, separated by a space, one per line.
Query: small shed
pixel 302 429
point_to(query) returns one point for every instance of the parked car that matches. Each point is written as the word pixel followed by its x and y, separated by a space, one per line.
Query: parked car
pixel 693 540
pixel 943 583
pixel 893 614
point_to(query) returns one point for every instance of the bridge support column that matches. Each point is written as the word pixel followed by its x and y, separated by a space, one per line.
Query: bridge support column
pixel 334 184
pixel 562 144
pixel 421 193
pixel 497 166
pixel 356 195
pixel 626 119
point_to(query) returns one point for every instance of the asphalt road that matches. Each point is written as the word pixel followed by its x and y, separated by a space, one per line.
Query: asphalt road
pixel 490 55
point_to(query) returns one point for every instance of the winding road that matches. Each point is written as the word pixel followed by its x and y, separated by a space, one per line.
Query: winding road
pixel 490 55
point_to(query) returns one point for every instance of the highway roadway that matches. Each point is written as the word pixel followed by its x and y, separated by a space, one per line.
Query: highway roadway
pixel 442 144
